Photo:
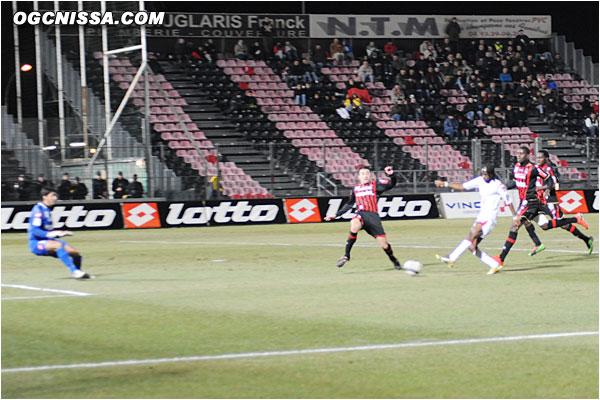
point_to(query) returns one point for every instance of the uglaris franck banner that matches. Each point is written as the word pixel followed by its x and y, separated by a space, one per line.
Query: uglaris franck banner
pixel 428 26
pixel 229 25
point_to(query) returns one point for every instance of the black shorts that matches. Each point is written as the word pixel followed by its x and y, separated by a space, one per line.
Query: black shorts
pixel 371 223
pixel 530 209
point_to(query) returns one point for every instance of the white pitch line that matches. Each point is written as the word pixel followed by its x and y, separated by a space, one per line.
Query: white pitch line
pixel 325 245
pixel 39 297
pixel 302 351
pixel 70 292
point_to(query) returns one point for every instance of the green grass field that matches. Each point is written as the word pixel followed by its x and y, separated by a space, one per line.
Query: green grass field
pixel 223 291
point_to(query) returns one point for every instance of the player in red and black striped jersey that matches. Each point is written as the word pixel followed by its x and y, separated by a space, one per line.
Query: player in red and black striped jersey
pixel 546 193
pixel 525 176
pixel 364 197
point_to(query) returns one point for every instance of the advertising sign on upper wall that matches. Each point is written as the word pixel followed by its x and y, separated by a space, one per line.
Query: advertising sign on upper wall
pixel 428 26
pixel 229 25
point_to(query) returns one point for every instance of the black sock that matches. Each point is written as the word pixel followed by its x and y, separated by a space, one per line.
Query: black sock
pixel 576 232
pixel 556 223
pixel 390 252
pixel 350 243
pixel 533 235
pixel 510 240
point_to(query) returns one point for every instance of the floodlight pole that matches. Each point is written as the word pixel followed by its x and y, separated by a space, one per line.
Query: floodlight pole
pixel 59 83
pixel 106 78
pixel 17 70
pixel 83 75
pixel 147 141
pixel 38 80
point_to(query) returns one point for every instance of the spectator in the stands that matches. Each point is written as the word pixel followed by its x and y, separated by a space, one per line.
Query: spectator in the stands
pixel 22 188
pixel 211 51
pixel 430 52
pixel 240 50
pixel 489 118
pixel 42 182
pixel 348 51
pixel 399 110
pixel 296 72
pixel 200 54
pixel 370 49
pixel 353 104
pixel 135 188
pixel 457 81
pixel 266 31
pixel 78 190
pixel 551 108
pixel 591 124
pixel 471 110
pixel 309 75
pixel 278 51
pixel 595 107
pixel 376 61
pixel 397 64
pixel 99 187
pixel 352 84
pixel 319 56
pixel 414 108
pixel 291 52
pixel 397 94
pixel 521 116
pixel 542 50
pixel 336 50
pixel 300 94
pixel 401 77
pixel 538 103
pixel 181 49
pixel 390 48
pixel 522 39
pixel 64 188
pixel 119 186
pixel 506 80
pixel 424 46
pixel 154 64
pixel 451 127
pixel 453 32
pixel 501 100
pixel 559 64
pixel 257 51
pixel 315 102
pixel 500 117
pixel 366 72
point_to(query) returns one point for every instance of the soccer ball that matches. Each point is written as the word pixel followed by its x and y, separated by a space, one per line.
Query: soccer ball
pixel 412 267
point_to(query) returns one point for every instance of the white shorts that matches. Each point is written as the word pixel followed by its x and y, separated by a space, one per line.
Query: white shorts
pixel 486 226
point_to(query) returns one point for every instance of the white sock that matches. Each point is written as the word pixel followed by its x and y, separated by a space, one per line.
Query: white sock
pixel 485 258
pixel 461 248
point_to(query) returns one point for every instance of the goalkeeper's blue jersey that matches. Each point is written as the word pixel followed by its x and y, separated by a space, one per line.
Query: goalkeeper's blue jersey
pixel 40 222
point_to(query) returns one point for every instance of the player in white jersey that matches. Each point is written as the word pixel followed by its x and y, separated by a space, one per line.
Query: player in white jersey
pixel 492 191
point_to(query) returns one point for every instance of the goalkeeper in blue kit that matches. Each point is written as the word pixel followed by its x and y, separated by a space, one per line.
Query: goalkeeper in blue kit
pixel 43 239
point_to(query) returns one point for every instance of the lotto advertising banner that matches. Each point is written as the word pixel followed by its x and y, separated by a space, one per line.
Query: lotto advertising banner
pixel 229 25
pixel 390 208
pixel 429 26
pixel 578 201
pixel 66 217
pixel 234 212
pixel 468 205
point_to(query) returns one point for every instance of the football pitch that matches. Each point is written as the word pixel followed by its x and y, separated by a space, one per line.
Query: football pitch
pixel 263 312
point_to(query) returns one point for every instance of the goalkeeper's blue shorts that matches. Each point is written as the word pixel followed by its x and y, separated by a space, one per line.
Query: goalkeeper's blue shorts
pixel 38 247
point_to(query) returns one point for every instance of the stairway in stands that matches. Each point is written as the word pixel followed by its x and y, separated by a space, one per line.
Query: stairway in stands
pixel 198 84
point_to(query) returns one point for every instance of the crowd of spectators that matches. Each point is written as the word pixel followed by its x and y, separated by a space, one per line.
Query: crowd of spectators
pixel 25 189
pixel 498 82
